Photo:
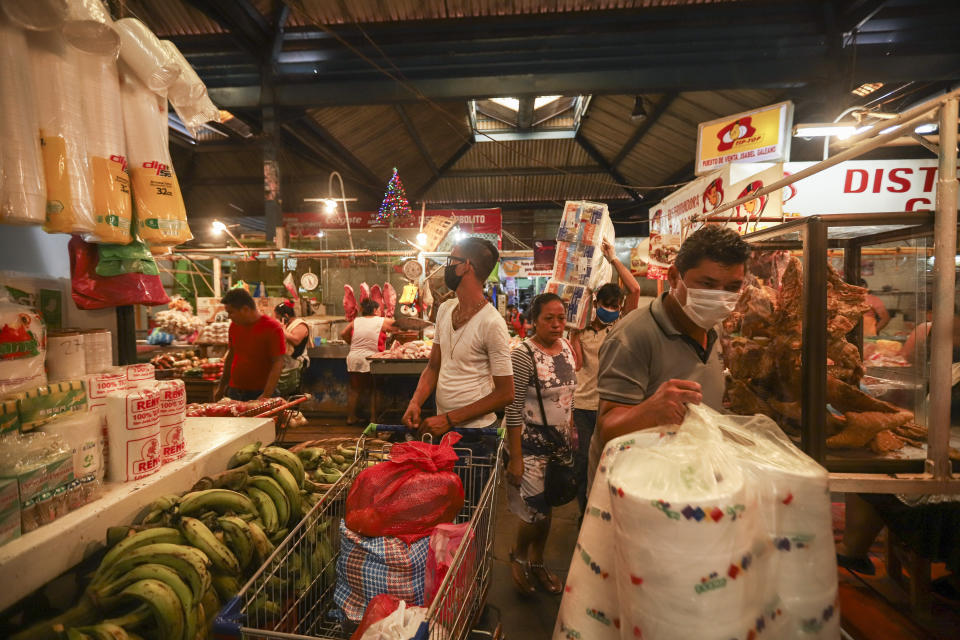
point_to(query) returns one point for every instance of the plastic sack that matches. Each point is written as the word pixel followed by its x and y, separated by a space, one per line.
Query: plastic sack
pixel 444 542
pixel 140 49
pixel 120 259
pixel 92 291
pixel 22 191
pixel 403 623
pixel 69 203
pixel 161 217
pixel 379 608
pixel 188 88
pixel 367 567
pixel 409 494
pixel 23 347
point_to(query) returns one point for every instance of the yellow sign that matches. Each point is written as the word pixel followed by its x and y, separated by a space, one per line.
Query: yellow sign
pixel 761 135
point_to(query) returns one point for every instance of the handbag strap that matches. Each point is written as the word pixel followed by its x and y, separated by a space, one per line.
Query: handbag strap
pixel 536 383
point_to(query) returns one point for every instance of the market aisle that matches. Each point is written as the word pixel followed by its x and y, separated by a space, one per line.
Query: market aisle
pixel 530 618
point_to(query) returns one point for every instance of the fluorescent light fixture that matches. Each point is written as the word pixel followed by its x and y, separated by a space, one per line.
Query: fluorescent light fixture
pixel 218 227
pixel 421 238
pixel 866 89
pixel 925 128
pixel 825 129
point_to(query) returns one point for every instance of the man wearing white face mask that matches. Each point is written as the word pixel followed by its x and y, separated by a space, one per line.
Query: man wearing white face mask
pixel 659 359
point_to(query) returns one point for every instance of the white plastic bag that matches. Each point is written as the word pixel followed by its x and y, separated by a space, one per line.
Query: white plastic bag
pixel 402 624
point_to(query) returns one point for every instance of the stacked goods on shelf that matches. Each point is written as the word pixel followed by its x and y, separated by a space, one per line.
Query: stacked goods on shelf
pixel 40 466
pixel 763 356
pixel 133 434
pixel 232 408
pixel 215 333
pixel 186 364
pixel 22 192
pixel 178 318
pixel 579 266
pixel 23 344
pixel 167 575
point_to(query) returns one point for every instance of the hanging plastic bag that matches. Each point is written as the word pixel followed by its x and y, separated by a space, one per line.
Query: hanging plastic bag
pixel 23 346
pixel 409 494
pixel 161 217
pixel 403 623
pixel 118 259
pixel 93 291
pixel 444 542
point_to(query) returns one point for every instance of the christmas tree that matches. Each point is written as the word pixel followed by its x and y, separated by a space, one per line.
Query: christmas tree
pixel 395 202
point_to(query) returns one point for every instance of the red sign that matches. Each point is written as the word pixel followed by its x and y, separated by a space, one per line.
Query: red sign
pixel 469 221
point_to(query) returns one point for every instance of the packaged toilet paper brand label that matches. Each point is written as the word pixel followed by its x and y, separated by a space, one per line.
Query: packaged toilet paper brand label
pixel 143 412
pixel 139 373
pixel 143 457
pixel 174 446
pixel 173 398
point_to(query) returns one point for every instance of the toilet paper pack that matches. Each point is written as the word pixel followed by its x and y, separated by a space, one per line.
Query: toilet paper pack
pixel 133 434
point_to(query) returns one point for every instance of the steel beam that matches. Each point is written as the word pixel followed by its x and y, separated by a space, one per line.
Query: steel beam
pixel 417 140
pixel 340 151
pixel 597 157
pixel 246 25
pixel 525 113
pixel 645 126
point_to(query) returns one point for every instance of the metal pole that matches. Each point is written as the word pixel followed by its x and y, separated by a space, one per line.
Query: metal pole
pixel 126 335
pixel 216 278
pixel 944 283
pixel 813 342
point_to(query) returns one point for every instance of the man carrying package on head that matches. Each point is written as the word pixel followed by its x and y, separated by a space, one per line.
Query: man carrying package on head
pixel 660 358
pixel 254 360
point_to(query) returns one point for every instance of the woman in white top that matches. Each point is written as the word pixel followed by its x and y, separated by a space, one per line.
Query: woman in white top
pixel 363 334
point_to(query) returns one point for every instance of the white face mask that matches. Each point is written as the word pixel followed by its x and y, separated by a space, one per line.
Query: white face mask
pixel 708 307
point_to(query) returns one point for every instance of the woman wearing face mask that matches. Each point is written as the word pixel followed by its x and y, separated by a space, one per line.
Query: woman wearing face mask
pixel 609 304
pixel 539 425
pixel 663 357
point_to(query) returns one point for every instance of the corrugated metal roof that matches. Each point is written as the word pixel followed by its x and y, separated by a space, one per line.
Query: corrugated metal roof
pixel 170 17
pixel 524 189
pixel 486 154
pixel 328 12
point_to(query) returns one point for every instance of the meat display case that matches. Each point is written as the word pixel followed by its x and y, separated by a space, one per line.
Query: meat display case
pixel 895 392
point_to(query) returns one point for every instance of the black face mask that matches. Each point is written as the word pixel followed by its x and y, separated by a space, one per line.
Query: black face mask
pixel 450 277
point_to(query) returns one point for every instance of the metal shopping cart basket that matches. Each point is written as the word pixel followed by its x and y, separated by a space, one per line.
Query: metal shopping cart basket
pixel 291 596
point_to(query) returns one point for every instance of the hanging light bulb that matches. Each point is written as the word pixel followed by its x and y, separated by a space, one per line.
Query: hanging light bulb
pixel 218 227
pixel 320 233
pixel 421 238
pixel 329 205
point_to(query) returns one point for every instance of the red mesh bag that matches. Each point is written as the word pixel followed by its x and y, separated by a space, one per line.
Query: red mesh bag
pixel 93 291
pixel 379 608
pixel 409 494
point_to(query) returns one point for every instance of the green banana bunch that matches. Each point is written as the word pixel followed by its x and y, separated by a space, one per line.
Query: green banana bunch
pixel 220 500
pixel 189 563
pixel 311 457
pixel 289 484
pixel 102 631
pixel 137 540
pixel 233 479
pixel 279 536
pixel 261 542
pixel 277 495
pixel 289 460
pixel 266 508
pixel 225 586
pixel 201 537
pixel 238 538
pixel 107 597
pixel 243 455
pixel 168 611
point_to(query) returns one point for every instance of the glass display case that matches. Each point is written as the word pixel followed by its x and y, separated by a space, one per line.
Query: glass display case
pixel 843 368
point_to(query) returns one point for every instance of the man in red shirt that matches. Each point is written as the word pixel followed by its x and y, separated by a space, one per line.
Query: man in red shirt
pixel 254 359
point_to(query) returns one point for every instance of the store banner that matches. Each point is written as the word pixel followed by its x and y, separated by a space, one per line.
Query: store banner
pixel 470 221
pixel 761 135
pixel 523 268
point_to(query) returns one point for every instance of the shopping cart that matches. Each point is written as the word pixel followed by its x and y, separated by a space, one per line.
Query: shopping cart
pixel 291 596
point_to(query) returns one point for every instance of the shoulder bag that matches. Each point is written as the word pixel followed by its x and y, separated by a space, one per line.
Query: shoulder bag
pixel 560 481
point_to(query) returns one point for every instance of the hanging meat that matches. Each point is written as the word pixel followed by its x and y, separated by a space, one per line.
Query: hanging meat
pixel 377 296
pixel 364 291
pixel 389 300
pixel 764 360
pixel 349 303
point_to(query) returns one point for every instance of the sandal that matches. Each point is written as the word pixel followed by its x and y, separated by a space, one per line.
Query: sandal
pixel 547 579
pixel 859 565
pixel 521 575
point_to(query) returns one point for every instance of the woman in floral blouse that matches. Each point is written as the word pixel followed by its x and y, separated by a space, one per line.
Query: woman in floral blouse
pixel 531 443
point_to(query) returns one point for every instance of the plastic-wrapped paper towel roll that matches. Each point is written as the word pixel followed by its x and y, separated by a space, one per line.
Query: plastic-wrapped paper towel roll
pixel 140 49
pixel 100 90
pixel 188 88
pixel 54 65
pixel 100 385
pixel 137 373
pixel 173 411
pixel 65 356
pixel 161 217
pixel 688 539
pixel 97 350
pixel 89 28
pixel 589 608
pixel 82 432
pixel 133 434
pixel 36 15
pixel 22 191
